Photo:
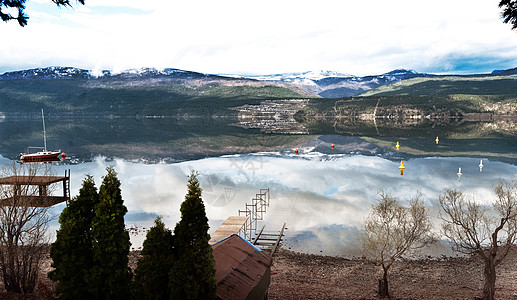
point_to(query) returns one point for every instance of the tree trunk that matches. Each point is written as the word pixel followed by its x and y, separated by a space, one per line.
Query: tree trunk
pixel 383 285
pixel 489 288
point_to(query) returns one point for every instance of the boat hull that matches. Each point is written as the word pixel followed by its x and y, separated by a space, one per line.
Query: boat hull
pixel 41 157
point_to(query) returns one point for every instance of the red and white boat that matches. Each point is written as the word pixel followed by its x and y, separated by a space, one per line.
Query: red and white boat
pixel 44 155
pixel 41 156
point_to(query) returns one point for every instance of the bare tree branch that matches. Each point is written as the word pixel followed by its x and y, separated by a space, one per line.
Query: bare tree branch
pixel 392 231
pixel 23 231
pixel 487 231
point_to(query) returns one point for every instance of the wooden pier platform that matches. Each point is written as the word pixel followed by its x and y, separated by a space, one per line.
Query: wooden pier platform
pixel 40 198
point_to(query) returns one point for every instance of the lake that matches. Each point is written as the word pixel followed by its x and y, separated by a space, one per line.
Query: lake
pixel 323 194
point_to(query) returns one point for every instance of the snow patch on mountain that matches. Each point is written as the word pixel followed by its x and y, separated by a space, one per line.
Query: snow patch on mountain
pixel 71 72
pixel 300 77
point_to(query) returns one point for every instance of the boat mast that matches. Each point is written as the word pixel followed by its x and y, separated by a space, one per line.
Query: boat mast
pixel 44 133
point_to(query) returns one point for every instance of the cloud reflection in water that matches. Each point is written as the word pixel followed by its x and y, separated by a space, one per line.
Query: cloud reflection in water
pixel 333 193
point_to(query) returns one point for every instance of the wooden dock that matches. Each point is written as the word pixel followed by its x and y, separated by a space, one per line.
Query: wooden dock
pixel 232 225
pixel 245 225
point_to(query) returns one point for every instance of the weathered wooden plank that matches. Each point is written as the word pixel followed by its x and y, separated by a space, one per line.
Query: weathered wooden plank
pixel 32 180
pixel 232 225
pixel 33 201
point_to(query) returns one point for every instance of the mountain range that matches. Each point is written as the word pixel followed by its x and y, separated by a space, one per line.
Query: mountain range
pixel 75 73
pixel 326 84
pixel 330 84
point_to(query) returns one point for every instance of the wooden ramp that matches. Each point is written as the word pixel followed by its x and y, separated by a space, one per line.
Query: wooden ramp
pixel 232 225
pixel 268 241
pixel 269 237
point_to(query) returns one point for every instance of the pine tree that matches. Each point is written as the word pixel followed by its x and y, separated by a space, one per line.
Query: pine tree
pixel 71 253
pixel 152 272
pixel 192 275
pixel 6 7
pixel 110 277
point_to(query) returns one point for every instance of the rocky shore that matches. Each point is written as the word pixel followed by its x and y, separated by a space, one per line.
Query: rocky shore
pixel 305 276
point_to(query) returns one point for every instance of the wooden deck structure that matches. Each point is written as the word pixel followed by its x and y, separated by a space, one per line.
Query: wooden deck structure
pixel 232 225
pixel 42 197
pixel 245 225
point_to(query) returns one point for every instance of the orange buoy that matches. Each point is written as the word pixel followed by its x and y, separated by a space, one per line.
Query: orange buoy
pixel 63 155
pixel 401 167
pixel 332 146
pixel 295 151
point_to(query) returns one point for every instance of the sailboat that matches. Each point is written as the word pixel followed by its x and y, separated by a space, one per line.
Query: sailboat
pixel 41 156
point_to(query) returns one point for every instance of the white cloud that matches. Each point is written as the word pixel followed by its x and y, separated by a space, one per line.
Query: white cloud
pixel 260 37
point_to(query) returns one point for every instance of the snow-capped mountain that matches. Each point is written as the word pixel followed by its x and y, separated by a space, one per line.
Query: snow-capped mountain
pixel 330 84
pixel 47 73
pixel 144 76
pixel 70 72
pixel 311 75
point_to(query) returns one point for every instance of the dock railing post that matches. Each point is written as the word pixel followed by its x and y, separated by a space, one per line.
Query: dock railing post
pixel 255 211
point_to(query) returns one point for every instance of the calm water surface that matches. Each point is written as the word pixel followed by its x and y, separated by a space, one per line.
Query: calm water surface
pixel 324 198
pixel 323 194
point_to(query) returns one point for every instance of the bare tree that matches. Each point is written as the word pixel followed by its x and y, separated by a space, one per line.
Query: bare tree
pixel 23 228
pixel 392 230
pixel 473 228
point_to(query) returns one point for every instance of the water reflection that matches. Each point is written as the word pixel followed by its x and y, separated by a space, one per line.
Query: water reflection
pixel 326 196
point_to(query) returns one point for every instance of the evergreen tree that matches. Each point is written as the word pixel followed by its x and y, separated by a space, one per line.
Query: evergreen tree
pixel 110 277
pixel 192 275
pixel 152 272
pixel 509 13
pixel 6 6
pixel 71 253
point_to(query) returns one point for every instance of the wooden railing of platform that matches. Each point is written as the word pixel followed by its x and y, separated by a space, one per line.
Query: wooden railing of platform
pixel 41 198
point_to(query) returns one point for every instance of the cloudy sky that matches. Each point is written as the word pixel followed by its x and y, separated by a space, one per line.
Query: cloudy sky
pixel 263 37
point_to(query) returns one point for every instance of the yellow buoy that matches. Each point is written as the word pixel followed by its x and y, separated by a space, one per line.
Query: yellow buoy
pixel 437 140
pixel 401 167
pixel 397 146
